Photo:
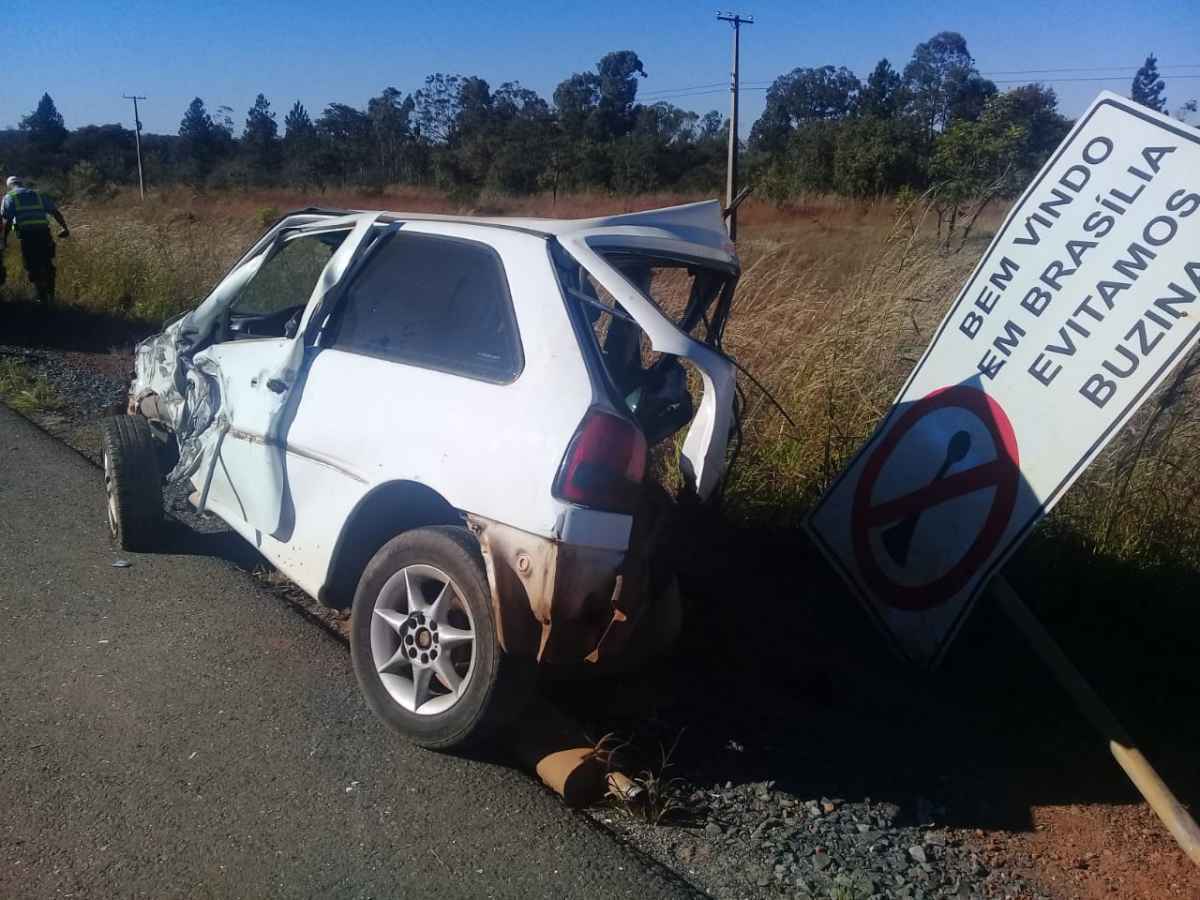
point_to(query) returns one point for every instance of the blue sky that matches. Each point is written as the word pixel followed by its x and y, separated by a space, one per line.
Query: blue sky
pixel 86 54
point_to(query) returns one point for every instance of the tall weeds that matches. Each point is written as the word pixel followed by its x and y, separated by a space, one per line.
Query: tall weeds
pixel 831 328
pixel 146 262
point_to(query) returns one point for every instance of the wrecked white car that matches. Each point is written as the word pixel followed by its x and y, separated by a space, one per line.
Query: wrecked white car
pixel 445 423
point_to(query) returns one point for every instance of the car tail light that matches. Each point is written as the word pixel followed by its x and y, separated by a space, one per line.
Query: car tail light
pixel 604 465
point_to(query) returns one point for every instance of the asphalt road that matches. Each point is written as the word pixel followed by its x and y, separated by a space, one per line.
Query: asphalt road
pixel 170 730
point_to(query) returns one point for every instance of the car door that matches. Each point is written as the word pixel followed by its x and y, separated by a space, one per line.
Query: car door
pixel 257 363
pixel 417 379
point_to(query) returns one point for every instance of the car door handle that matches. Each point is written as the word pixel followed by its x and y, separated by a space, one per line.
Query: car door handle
pixel 277 386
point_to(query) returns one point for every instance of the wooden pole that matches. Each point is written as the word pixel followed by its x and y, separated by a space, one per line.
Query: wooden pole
pixel 137 138
pixel 1165 805
pixel 731 163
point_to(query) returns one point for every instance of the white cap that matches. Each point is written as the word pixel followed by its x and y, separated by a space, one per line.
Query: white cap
pixel 14 181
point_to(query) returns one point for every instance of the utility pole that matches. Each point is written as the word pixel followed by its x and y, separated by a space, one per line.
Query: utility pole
pixel 137 139
pixel 737 21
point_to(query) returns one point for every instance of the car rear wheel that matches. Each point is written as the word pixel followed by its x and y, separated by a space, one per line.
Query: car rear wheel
pixel 423 641
pixel 132 481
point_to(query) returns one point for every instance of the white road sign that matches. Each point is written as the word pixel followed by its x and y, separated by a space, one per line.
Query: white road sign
pixel 1082 304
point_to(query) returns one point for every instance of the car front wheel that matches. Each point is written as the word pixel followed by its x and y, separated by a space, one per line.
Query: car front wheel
pixel 132 481
pixel 423 641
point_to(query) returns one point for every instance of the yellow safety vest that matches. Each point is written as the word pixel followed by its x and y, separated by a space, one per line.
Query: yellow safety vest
pixel 28 209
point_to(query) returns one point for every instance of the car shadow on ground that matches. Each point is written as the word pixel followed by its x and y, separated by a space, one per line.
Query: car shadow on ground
pixel 180 538
pixel 780 676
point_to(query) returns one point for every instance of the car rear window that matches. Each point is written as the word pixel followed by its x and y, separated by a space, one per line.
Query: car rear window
pixel 438 302
pixel 694 297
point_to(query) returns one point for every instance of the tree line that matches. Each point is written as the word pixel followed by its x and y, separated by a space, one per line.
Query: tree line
pixel 935 123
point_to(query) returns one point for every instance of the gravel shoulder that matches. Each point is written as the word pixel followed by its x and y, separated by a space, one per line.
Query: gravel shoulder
pixel 806 763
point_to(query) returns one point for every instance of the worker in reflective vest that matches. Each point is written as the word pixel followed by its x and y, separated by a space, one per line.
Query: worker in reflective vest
pixel 27 213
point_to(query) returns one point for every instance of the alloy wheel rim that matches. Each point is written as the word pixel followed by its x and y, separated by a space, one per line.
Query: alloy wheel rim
pixel 422 640
pixel 111 494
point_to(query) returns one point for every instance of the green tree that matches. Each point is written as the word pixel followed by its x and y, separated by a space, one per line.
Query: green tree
pixel 463 160
pixel 46 133
pixel 1147 88
pixel 874 156
pixel 576 99
pixel 395 141
pixel 109 148
pixel 712 126
pixel 260 141
pixel 976 162
pixel 1034 109
pixel 806 165
pixel 200 141
pixel 633 164
pixel 525 132
pixel 943 85
pixel 436 107
pixel 299 146
pixel 345 139
pixel 297 124
pixel 618 74
pixel 599 105
pixel 882 96
pixel 800 97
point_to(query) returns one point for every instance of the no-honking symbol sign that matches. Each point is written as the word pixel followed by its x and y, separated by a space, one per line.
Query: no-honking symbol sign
pixel 886 519
pixel 1083 304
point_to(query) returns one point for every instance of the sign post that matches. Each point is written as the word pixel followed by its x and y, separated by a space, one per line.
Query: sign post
pixel 1085 300
pixel 1164 803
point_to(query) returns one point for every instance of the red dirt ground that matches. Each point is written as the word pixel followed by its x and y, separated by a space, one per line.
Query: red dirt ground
pixel 1097 852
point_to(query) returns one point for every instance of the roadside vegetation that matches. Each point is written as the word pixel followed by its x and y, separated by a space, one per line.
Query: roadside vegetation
pixel 23 391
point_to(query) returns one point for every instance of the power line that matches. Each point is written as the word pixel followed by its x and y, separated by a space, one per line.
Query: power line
pixel 693 90
pixel 1087 69
pixel 707 93
pixel 745 87
pixel 690 87
pixel 1089 78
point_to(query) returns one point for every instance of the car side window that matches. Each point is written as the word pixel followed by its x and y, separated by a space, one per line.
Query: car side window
pixel 287 279
pixel 438 302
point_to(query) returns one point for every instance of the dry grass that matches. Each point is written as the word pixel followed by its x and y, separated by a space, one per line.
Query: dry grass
pixel 837 300
pixel 24 392
pixel 830 322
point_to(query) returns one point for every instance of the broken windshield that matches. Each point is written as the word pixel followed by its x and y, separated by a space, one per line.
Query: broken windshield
pixel 287 278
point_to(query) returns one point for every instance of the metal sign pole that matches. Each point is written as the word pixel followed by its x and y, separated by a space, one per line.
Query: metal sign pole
pixel 1164 803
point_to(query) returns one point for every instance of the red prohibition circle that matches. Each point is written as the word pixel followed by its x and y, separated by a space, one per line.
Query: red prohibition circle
pixel 1002 473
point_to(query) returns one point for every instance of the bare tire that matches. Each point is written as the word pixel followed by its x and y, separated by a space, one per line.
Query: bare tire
pixel 132 481
pixel 423 641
